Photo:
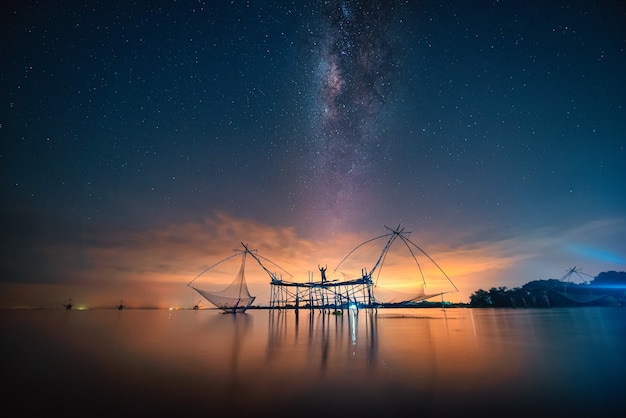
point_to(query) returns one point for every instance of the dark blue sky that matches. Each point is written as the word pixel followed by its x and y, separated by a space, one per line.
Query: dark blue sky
pixel 475 124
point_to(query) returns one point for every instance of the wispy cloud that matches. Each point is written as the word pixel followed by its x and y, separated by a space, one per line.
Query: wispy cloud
pixel 153 266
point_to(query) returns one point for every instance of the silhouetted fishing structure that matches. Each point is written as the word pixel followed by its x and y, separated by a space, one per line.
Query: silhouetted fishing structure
pixel 325 293
pixel 235 297
pixel 580 295
pixel 353 293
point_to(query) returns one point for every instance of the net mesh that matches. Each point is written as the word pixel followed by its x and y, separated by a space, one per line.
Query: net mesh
pixel 235 296
pixel 402 271
pixel 391 296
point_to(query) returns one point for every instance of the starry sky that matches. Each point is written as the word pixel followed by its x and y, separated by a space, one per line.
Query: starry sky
pixel 141 142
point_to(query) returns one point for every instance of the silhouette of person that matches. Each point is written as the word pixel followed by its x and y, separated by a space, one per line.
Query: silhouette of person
pixel 323 271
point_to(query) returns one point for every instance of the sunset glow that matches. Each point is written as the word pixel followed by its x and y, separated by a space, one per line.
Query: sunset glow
pixel 152 268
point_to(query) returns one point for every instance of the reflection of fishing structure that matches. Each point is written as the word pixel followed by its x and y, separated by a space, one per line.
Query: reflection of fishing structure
pixel 328 338
pixel 361 292
pixel 235 297
pixel 241 325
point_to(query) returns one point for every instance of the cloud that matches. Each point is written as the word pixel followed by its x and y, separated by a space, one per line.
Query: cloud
pixel 153 265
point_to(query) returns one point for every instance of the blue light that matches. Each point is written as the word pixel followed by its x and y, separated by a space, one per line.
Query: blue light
pixel 597 254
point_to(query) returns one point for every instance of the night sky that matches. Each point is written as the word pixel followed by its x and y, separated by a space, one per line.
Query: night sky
pixel 141 142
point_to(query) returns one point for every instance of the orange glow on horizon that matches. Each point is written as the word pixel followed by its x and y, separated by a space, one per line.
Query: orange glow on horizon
pixel 152 268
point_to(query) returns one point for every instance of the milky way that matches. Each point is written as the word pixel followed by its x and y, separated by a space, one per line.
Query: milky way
pixel 353 65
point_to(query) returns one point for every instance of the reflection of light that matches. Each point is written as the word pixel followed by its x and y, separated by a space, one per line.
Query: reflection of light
pixel 353 324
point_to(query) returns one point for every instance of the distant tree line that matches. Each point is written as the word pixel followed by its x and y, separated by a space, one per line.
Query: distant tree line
pixel 606 289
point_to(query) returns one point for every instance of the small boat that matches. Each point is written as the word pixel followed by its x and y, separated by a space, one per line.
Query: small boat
pixel 121 305
pixel 68 306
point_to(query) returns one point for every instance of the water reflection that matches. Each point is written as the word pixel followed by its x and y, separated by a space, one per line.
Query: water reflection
pixel 318 335
pixel 284 363
pixel 240 329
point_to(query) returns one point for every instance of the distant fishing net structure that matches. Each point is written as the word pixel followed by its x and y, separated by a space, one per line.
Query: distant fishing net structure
pixel 578 294
pixel 236 296
pixel 354 291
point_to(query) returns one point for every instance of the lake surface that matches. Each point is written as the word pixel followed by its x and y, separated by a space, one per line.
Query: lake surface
pixel 389 362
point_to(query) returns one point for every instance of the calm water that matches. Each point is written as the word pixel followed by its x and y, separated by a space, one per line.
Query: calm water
pixel 407 362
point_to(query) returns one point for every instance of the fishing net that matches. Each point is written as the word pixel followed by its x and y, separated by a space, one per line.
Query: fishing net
pixel 235 297
pixel 391 296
